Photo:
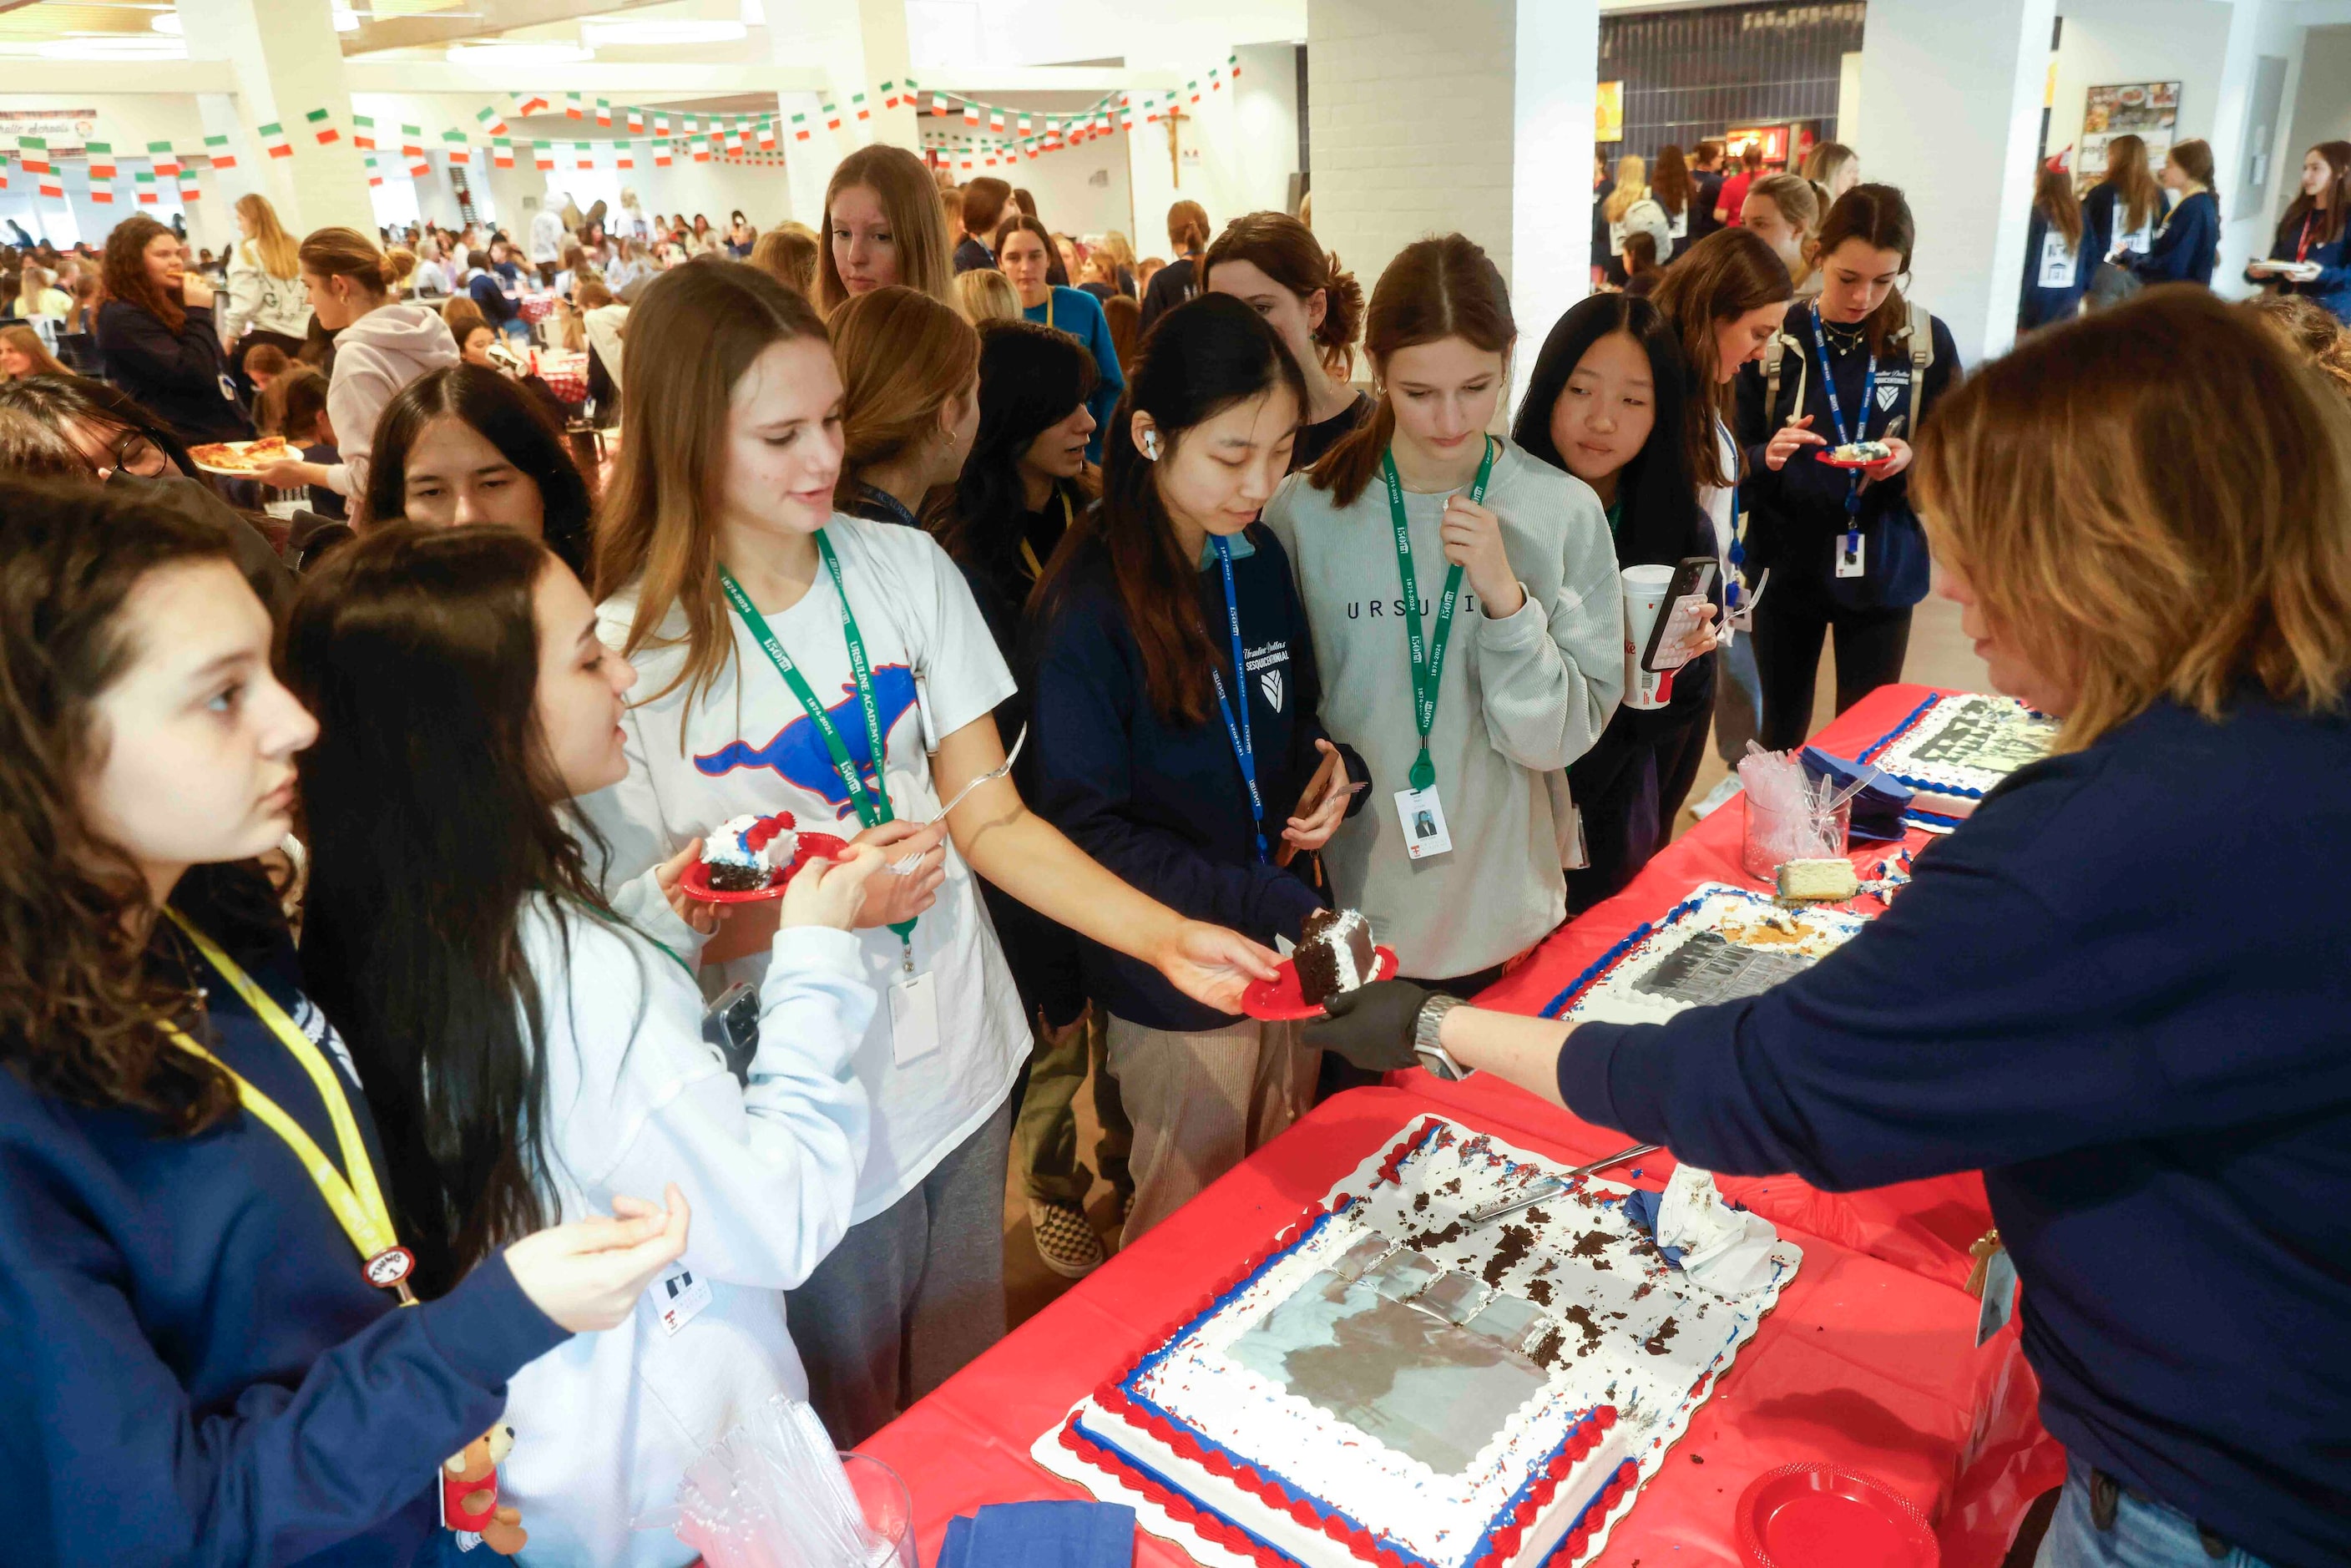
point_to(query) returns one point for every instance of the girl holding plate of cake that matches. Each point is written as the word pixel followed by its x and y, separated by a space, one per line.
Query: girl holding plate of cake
pixel 534 1049
pixel 792 659
pixel 1178 741
pixel 1467 624
pixel 2143 1052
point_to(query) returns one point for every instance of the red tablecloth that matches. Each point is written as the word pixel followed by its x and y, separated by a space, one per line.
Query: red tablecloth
pixel 535 308
pixel 1868 1360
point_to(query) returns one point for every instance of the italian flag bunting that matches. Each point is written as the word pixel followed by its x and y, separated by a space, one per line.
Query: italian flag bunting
pixel 418 164
pixel 542 155
pixel 144 182
pixel 622 158
pixel 101 171
pixel 322 126
pixel 373 177
pixel 832 117
pixel 274 141
pixel 1193 88
pixel 938 103
pixel 996 119
pixel 364 133
pixel 889 95
pixel 459 153
pixel 531 103
pixel 857 101
pixel 1216 79
pixel 1233 65
pixel 767 136
pixel 661 154
pixel 502 153
pixel 572 108
pixel 492 123
pixel 188 189
pixel 636 121
pixel 661 125
pixel 970 112
pixel 604 112
pixel 167 163
pixel 585 152
pixel 799 128
pixel 1027 125
pixel 216 149
pixel 412 143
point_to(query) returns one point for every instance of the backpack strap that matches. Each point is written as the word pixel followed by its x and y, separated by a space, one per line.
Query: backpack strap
pixel 1922 356
pixel 1774 352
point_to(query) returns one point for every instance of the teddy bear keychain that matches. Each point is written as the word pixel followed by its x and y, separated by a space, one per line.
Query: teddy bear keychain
pixel 469 1495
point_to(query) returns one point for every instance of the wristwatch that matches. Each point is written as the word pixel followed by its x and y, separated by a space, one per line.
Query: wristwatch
pixel 1424 1031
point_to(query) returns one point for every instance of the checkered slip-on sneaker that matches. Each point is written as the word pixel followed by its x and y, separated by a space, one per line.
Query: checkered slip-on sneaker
pixel 1064 1239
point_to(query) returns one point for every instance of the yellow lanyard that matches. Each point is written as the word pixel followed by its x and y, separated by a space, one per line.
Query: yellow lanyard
pixel 1028 554
pixel 358 1202
pixel 1049 305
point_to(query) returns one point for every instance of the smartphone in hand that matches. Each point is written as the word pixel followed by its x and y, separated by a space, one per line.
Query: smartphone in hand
pixel 1691 590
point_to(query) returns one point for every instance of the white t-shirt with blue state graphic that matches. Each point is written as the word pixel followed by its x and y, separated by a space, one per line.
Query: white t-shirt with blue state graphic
pixel 747 746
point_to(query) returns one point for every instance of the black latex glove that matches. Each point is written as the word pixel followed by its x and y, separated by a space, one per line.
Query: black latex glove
pixel 1371 1025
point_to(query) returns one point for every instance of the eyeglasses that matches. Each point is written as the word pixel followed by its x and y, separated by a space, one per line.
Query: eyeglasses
pixel 135 453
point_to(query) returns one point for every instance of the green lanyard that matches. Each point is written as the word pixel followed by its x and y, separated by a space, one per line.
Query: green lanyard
pixel 1428 655
pixel 872 803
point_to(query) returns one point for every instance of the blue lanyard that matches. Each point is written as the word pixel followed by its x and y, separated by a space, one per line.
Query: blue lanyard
pixel 1836 411
pixel 1736 553
pixel 1237 730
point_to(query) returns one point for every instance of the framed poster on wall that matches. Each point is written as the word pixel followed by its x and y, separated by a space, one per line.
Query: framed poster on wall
pixel 1608 124
pixel 2146 110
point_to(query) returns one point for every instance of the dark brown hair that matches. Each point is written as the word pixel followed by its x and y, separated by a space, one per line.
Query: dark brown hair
pixel 1721 278
pixel 1286 251
pixel 1203 357
pixel 2155 536
pixel 82 988
pixel 1435 288
pixel 2134 188
pixel 124 271
pixel 1879 217
pixel 1640 252
pixel 2193 158
pixel 2337 156
pixel 984 201
pixel 1669 179
pixel 510 419
pixel 2053 198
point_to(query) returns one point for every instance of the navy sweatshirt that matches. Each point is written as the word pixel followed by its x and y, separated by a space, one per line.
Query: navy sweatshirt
pixel 2186 246
pixel 2038 305
pixel 2332 287
pixel 2117 990
pixel 196 1373
pixel 1164 805
pixel 180 377
pixel 2100 221
pixel 489 297
pixel 1796 516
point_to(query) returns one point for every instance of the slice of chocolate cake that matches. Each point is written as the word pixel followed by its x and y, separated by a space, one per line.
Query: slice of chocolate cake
pixel 1334 953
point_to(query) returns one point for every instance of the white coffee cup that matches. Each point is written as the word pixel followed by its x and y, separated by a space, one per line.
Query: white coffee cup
pixel 1645 598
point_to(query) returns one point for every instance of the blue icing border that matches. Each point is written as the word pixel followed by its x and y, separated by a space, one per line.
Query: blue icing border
pixel 1150 1362
pixel 1634 937
pixel 1932 786
pixel 1178 1488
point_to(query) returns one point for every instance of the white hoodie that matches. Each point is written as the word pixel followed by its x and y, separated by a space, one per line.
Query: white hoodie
pixel 606 1424
pixel 375 356
pixel 258 298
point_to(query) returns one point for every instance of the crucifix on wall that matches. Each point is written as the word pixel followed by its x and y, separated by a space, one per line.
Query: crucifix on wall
pixel 1175 152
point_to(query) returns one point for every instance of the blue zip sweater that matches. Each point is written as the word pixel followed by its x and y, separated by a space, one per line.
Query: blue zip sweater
pixel 2037 306
pixel 2110 992
pixel 196 1372
pixel 1162 804
pixel 2098 218
pixel 2185 247
pixel 2332 287
pixel 1796 515
pixel 1079 314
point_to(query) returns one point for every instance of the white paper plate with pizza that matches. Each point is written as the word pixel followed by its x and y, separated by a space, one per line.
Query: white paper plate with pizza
pixel 243 459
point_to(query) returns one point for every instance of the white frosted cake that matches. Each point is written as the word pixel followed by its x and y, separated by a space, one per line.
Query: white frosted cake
pixel 1718 945
pixel 1952 749
pixel 1388 1385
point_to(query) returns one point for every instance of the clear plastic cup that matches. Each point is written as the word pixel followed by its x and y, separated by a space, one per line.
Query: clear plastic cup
pixel 1774 838
pixel 888 1507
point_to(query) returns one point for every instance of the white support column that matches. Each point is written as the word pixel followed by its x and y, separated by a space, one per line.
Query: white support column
pixel 1950 111
pixel 288 62
pixel 1475 117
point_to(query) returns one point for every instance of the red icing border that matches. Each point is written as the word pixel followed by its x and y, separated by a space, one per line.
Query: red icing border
pixel 1581 1440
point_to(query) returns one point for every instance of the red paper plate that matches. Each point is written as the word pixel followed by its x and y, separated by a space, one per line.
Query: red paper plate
pixel 1817 1516
pixel 813 846
pixel 1278 1001
pixel 1844 463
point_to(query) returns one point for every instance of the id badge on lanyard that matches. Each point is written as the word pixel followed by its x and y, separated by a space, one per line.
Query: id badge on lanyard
pixel 1418 810
pixel 1849 561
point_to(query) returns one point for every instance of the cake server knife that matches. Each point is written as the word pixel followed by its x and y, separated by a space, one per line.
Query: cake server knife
pixel 1551 1186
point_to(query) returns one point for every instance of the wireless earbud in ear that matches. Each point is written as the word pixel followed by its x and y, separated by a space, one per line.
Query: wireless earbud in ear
pixel 1151 445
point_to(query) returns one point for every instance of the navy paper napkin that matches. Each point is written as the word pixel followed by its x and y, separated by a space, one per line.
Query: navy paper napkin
pixel 1877 808
pixel 1042 1535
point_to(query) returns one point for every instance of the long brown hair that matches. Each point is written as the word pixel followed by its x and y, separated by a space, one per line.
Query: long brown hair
pixel 1187 226
pixel 272 246
pixel 347 253
pixel 27 343
pixel 2053 198
pixel 81 990
pixel 657 525
pixel 1286 251
pixel 2337 156
pixel 1203 357
pixel 788 253
pixel 903 356
pixel 918 228
pixel 1721 278
pixel 124 271
pixel 1878 217
pixel 2155 534
pixel 1435 289
pixel 2135 190
pixel 1672 185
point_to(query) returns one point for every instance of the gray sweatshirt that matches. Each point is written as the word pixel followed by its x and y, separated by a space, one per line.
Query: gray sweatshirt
pixel 1520 698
